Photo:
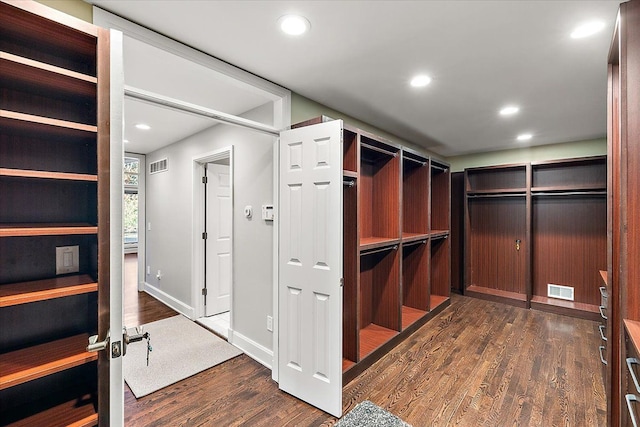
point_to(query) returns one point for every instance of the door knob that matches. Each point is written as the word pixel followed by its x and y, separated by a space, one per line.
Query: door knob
pixel 517 244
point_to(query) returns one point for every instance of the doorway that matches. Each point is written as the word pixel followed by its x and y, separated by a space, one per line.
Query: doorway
pixel 213 180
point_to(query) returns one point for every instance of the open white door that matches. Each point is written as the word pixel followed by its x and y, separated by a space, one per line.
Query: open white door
pixel 310 265
pixel 218 213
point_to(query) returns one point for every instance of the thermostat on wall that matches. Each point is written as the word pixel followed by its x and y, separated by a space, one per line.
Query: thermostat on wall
pixel 267 212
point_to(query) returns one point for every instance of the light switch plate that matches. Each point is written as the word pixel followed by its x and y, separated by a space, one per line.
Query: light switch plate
pixel 67 259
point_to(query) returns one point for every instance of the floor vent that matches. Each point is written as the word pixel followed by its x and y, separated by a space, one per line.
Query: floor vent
pixel 158 166
pixel 558 291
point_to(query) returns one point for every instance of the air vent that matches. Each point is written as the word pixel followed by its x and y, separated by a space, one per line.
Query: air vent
pixel 558 291
pixel 158 166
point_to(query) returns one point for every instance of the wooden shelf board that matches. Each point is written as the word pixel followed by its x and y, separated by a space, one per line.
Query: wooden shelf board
pixel 25 230
pixel 40 290
pixel 498 191
pixel 74 413
pixel 605 277
pixel 437 234
pixel 412 237
pixel 567 308
pixel 47 121
pixel 563 188
pixel 411 315
pixel 347 364
pixel 437 300
pixel 21 173
pixel 35 362
pixel 15 59
pixel 349 174
pixel 368 243
pixel 633 331
pixel 373 336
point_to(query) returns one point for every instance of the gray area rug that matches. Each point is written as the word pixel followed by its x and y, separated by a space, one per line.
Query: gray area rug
pixel 367 414
pixel 181 348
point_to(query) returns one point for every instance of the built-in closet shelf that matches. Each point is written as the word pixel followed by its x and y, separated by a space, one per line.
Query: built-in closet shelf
pixel 21 173
pixel 39 120
pixel 568 188
pixel 410 316
pixel 570 308
pixel 633 332
pixel 374 336
pixel 439 234
pixel 25 230
pixel 370 243
pixel 40 290
pixel 498 192
pixel 349 174
pixel 44 76
pixel 78 412
pixel 437 300
pixel 20 366
pixel 605 277
pixel 414 237
pixel 347 364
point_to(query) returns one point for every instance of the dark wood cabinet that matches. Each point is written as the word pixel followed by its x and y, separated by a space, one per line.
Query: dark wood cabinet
pixel 623 219
pixel 396 246
pixel 536 234
pixel 54 191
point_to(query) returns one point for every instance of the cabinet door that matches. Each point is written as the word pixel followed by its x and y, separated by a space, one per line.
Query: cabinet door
pixel 310 265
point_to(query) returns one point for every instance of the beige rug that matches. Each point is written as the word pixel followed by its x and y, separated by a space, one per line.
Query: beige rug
pixel 181 348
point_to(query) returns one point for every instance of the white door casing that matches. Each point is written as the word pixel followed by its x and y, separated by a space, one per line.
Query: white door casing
pixel 218 218
pixel 310 264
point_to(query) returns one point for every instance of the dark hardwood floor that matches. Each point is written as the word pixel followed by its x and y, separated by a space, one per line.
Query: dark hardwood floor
pixel 478 363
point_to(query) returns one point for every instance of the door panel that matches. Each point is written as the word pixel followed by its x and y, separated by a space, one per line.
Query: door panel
pixel 218 217
pixel 310 265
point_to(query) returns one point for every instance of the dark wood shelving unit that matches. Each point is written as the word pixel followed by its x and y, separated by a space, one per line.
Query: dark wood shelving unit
pixel 54 132
pixel 390 240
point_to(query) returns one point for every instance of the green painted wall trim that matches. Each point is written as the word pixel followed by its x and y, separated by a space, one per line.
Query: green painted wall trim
pixel 304 109
pixel 567 150
pixel 77 8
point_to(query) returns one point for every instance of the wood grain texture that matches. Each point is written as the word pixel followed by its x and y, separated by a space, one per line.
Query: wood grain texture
pixel 440 200
pixel 415 197
pixel 40 290
pixel 496 179
pixel 39 120
pixel 440 283
pixel 415 277
pixel 351 274
pixel 380 290
pixel 476 363
pixel 570 174
pixel 23 230
pixel 457 232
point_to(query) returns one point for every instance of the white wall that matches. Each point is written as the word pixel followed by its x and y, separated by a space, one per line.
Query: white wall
pixel 169 199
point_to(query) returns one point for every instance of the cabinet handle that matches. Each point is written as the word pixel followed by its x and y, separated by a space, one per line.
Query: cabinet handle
pixel 600 348
pixel 633 361
pixel 602 307
pixel 631 398
pixel 601 327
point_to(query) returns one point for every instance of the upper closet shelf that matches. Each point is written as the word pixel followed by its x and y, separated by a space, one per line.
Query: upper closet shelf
pixel 20 173
pixel 26 230
pixel 40 290
pixel 28 118
pixel 370 243
pixel 46 75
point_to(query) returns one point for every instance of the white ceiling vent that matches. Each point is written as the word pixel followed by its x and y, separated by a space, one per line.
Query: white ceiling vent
pixel 158 166
pixel 558 291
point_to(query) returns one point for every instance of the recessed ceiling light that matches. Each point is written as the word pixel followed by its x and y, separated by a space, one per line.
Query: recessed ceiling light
pixel 524 137
pixel 143 126
pixel 294 25
pixel 587 29
pixel 420 80
pixel 509 110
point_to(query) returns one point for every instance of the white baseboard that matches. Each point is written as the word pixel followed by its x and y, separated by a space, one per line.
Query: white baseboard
pixel 257 352
pixel 167 299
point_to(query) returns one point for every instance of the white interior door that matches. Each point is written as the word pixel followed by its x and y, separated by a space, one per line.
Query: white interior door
pixel 218 252
pixel 310 265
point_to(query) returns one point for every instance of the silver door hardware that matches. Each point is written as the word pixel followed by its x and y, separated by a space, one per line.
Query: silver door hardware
pixel 95 345
pixel 518 244
pixel 134 335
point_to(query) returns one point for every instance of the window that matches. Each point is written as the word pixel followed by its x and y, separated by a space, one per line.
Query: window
pixel 130 220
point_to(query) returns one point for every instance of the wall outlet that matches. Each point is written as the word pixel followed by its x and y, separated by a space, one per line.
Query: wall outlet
pixel 67 259
pixel 269 323
pixel 159 275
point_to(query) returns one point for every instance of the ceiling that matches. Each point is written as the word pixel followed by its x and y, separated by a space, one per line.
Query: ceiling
pixel 359 56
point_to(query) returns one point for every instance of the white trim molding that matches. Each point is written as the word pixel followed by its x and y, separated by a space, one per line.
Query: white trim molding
pixel 256 351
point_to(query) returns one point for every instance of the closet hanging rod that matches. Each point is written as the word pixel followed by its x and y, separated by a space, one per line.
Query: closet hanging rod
pixel 571 193
pixel 348 183
pixel 440 168
pixel 420 162
pixel 375 251
pixel 379 150
pixel 416 242
pixel 175 104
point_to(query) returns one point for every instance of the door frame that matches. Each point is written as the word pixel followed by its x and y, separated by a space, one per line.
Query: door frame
pixel 197 261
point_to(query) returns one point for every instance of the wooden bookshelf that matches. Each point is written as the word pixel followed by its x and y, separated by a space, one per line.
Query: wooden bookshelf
pixel 41 290
pixel 30 118
pixel 31 363
pixel 79 412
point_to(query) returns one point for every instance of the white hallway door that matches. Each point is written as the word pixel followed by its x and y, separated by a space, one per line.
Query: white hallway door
pixel 310 265
pixel 218 244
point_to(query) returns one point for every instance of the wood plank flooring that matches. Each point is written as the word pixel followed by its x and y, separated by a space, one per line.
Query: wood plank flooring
pixel 478 363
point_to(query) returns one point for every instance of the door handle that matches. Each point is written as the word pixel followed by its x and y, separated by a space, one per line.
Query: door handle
pixel 518 244
pixel 95 345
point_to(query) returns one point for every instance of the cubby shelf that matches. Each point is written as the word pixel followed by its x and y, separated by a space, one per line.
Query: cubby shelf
pixel 78 412
pixel 20 173
pixel 370 243
pixel 24 230
pixel 40 290
pixel 39 120
pixel 20 366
